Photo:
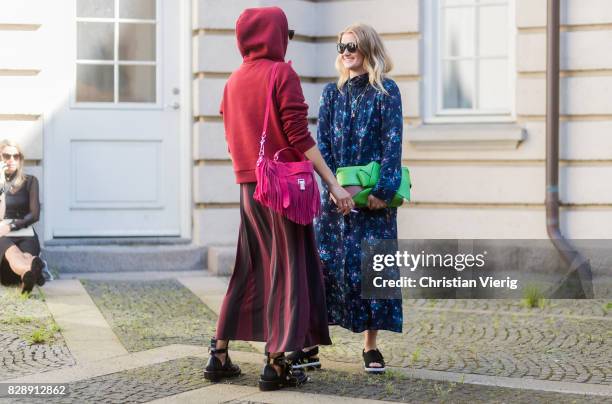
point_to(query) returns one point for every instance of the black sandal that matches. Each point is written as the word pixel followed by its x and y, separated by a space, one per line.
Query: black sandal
pixel 215 370
pixel 271 380
pixel 29 278
pixel 373 356
pixel 308 360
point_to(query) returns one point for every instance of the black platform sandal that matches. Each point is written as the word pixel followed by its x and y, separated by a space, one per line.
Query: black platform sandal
pixel 29 278
pixel 271 380
pixel 215 370
pixel 373 356
pixel 308 360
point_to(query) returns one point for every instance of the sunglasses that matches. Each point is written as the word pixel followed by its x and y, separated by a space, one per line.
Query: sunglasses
pixel 350 46
pixel 291 34
pixel 7 156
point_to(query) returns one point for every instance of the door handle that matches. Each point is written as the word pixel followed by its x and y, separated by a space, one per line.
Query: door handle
pixel 175 105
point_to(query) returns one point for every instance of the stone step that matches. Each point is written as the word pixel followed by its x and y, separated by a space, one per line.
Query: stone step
pixel 124 258
pixel 221 259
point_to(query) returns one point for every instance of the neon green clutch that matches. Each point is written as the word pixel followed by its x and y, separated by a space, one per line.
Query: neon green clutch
pixel 359 181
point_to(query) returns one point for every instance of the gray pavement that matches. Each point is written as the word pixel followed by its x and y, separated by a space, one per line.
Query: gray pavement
pixel 22 323
pixel 178 376
pixel 151 335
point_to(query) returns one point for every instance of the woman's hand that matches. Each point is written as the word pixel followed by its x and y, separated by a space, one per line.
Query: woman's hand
pixel 4 229
pixel 342 199
pixel 374 203
pixel 339 195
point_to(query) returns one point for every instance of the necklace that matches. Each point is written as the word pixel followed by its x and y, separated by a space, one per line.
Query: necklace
pixel 355 103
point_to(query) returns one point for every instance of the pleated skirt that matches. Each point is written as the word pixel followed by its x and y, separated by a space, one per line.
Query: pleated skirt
pixel 276 293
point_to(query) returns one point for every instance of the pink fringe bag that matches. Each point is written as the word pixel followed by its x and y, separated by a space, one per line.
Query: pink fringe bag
pixel 287 183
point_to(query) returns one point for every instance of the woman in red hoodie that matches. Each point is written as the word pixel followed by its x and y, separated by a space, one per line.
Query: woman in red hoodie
pixel 276 293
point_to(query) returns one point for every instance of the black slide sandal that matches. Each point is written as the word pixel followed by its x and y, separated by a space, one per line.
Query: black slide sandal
pixel 373 356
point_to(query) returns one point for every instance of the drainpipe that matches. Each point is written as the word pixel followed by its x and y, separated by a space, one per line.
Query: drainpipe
pixel 577 280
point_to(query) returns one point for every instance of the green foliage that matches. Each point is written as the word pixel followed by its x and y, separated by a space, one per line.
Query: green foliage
pixel 533 297
pixel 16 320
pixel 416 355
pixel 39 336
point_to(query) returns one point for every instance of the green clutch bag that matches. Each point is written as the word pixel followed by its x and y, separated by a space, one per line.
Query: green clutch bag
pixel 359 181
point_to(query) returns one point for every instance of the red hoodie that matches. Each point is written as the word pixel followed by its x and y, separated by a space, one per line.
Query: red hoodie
pixel 263 36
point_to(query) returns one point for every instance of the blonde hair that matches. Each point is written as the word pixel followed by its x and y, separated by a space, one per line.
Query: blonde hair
pixel 20 177
pixel 376 60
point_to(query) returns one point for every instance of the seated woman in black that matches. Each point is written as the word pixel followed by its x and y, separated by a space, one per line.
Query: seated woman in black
pixel 20 208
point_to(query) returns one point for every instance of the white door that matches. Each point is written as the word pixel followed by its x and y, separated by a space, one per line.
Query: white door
pixel 112 163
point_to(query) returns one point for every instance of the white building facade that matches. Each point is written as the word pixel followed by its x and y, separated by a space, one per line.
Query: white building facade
pixel 116 105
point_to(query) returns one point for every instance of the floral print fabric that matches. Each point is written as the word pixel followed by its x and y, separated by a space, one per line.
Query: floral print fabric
pixel 358 125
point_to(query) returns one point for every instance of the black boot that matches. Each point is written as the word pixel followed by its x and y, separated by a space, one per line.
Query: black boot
pixel 40 281
pixel 29 278
pixel 271 380
pixel 215 370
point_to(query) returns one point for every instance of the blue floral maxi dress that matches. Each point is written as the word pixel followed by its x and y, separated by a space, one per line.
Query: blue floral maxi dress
pixel 371 131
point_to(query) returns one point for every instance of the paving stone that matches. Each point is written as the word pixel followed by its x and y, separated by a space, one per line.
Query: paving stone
pixel 20 318
pixel 151 314
pixel 160 380
pixel 564 341
pixel 498 343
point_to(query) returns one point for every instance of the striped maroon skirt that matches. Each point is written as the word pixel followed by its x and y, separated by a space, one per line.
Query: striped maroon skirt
pixel 276 293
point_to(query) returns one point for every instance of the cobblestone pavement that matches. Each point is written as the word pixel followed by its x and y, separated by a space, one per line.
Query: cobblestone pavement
pixel 173 377
pixel 29 338
pixel 152 314
pixel 562 341
pixel 571 308
pixel 565 340
pixel 497 338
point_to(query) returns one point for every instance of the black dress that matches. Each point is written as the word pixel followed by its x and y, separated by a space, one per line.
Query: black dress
pixel 24 207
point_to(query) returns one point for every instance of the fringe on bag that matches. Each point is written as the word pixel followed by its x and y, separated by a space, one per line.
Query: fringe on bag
pixel 278 188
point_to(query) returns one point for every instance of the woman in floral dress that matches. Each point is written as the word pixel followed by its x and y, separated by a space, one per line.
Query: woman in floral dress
pixel 360 121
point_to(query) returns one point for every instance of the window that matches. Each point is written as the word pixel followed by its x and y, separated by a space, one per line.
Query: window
pixel 469 69
pixel 117 53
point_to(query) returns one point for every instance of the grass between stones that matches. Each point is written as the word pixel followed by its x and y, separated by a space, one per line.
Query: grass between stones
pixel 30 339
pixel 151 314
pixel 27 316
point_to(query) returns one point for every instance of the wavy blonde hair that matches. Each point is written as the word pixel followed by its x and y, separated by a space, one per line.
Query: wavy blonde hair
pixel 376 59
pixel 20 177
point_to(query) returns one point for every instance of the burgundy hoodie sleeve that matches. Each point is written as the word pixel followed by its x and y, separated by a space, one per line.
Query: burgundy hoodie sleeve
pixel 221 113
pixel 293 108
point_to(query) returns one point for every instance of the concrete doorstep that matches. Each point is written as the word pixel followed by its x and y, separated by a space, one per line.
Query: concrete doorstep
pixel 121 258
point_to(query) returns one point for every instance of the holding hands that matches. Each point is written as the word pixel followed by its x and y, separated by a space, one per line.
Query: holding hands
pixel 342 198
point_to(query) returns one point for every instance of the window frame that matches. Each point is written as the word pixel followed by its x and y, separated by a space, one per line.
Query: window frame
pixel 432 85
pixel 115 62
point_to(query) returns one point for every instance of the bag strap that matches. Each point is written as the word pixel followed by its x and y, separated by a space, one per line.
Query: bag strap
pixel 264 132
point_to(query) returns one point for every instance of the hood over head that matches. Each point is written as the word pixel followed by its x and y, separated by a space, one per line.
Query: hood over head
pixel 262 33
